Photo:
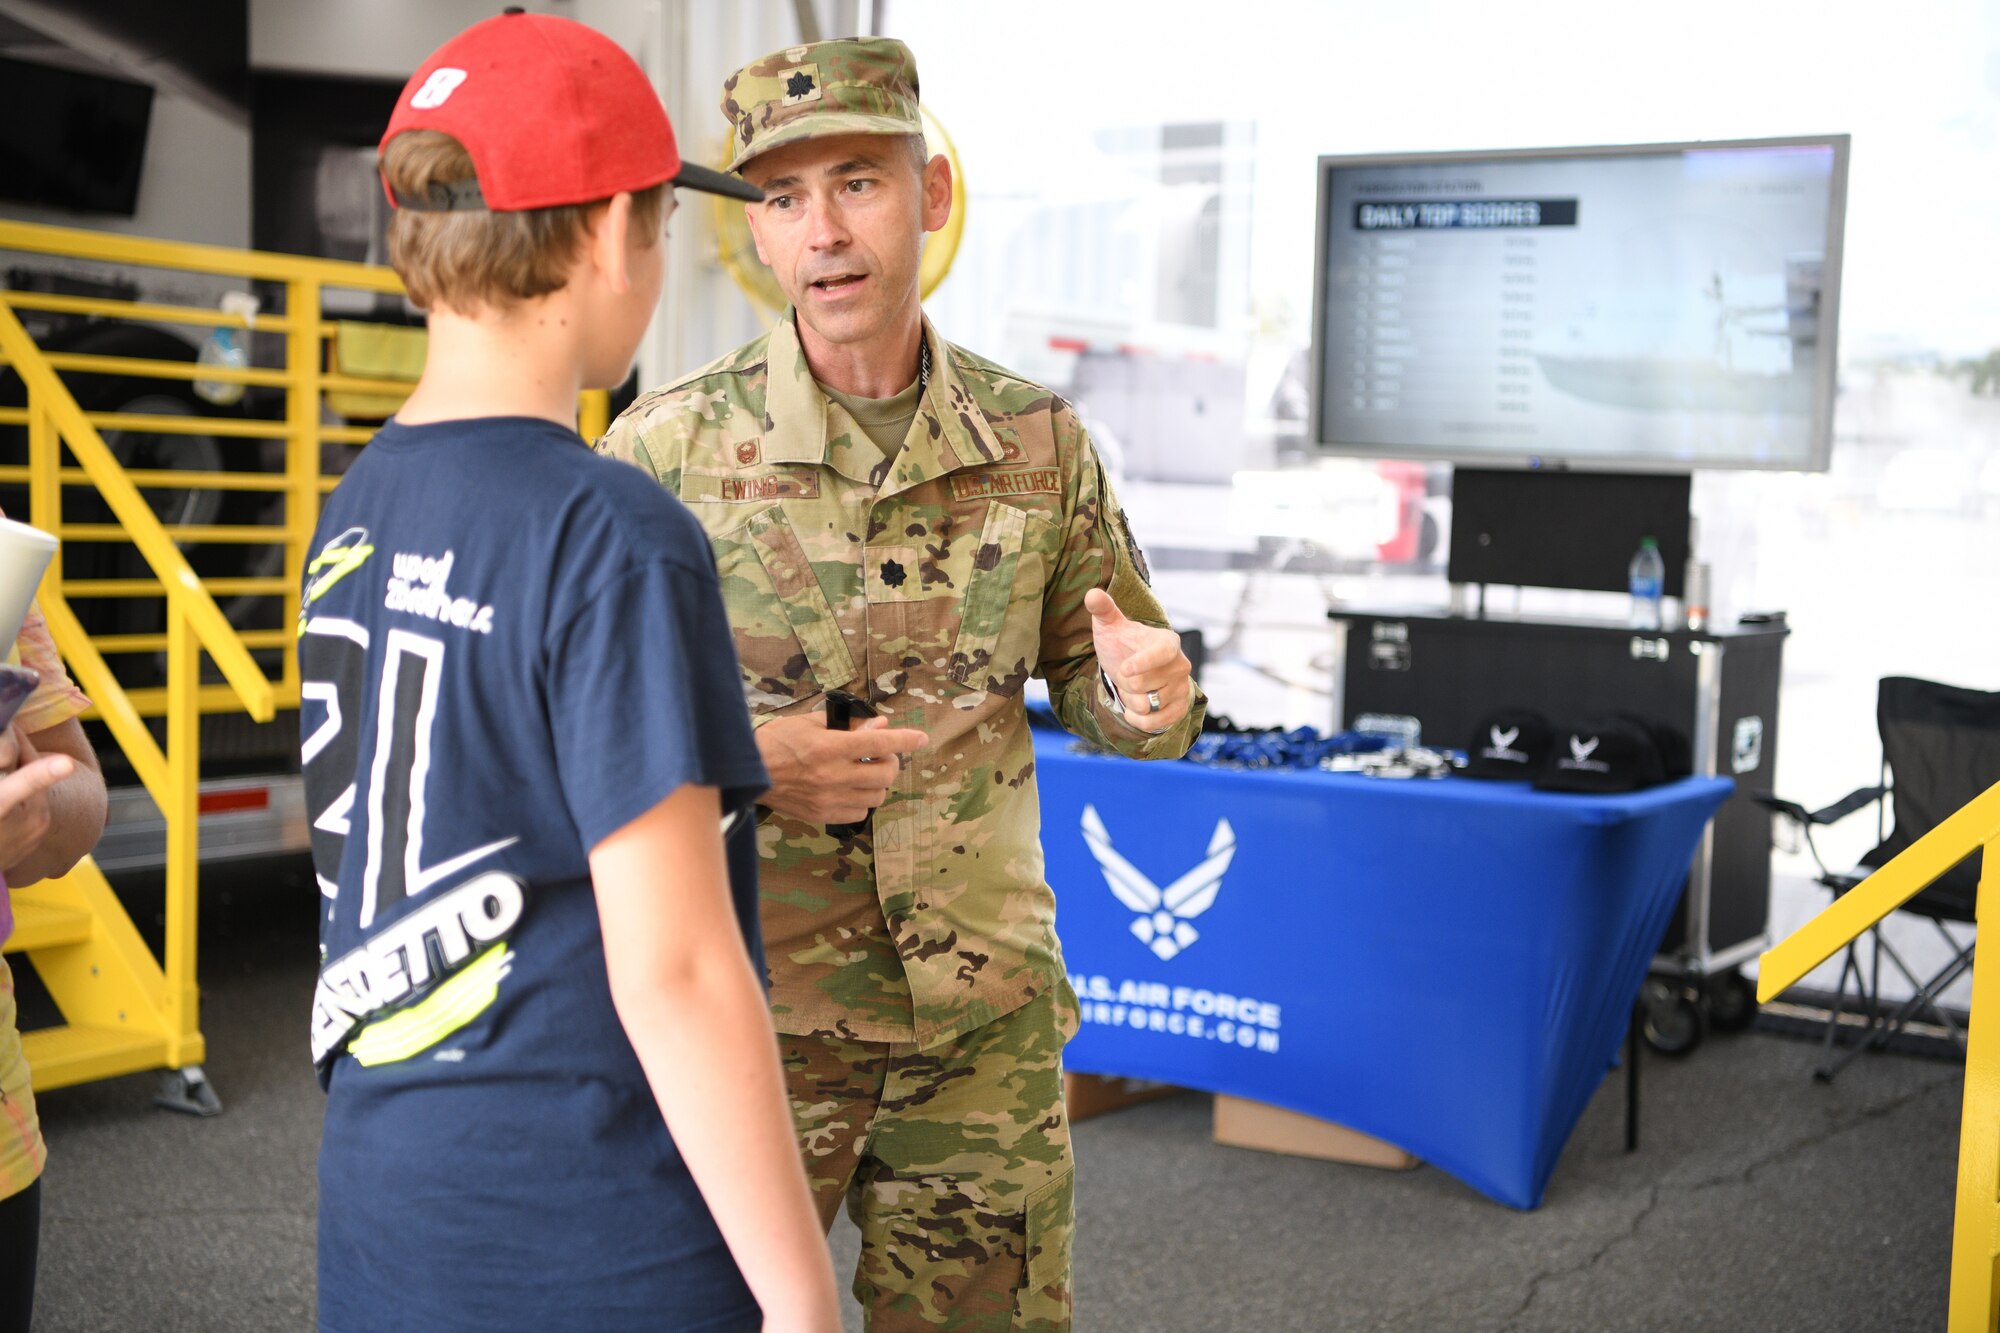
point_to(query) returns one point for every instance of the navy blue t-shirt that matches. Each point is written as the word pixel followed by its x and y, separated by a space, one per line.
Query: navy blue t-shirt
pixel 510 648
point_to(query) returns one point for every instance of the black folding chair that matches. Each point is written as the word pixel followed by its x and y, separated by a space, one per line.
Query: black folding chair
pixel 1940 748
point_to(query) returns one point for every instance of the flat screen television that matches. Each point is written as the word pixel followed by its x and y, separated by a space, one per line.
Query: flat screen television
pixel 71 140
pixel 1659 307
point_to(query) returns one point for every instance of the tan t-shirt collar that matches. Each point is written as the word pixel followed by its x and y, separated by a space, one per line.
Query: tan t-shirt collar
pixel 950 432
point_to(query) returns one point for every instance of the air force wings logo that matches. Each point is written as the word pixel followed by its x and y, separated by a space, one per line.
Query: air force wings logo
pixel 1580 749
pixel 1163 918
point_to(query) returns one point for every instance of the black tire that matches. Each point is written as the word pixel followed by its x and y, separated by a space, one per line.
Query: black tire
pixel 192 452
pixel 1731 1002
pixel 1672 1020
pixel 116 393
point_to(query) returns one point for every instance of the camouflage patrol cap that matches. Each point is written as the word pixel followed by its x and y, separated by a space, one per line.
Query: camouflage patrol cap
pixel 852 85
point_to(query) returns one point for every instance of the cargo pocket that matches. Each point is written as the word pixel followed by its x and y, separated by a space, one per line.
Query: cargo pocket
pixel 1045 1298
pixel 787 640
pixel 999 615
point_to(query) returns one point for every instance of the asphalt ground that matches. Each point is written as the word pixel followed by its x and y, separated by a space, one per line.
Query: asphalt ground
pixel 1758 1198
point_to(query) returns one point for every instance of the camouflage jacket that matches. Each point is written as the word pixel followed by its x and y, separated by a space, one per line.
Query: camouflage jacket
pixel 934 583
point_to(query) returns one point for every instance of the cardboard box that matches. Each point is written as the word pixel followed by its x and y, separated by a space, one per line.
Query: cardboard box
pixel 1247 1124
pixel 1087 1095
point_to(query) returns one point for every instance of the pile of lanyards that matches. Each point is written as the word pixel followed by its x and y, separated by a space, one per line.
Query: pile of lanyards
pixel 1370 753
pixel 1223 744
pixel 1228 746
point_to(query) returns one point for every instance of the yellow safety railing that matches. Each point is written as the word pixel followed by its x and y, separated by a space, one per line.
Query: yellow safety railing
pixel 123 1010
pixel 1975 1249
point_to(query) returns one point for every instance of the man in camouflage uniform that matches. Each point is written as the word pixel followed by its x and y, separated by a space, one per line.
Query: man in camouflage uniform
pixel 895 517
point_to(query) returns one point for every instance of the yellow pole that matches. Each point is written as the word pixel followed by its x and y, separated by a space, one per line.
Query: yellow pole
pixel 302 448
pixel 182 811
pixel 1975 1245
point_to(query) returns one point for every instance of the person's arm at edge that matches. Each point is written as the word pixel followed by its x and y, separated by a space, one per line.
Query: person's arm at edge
pixel 77 802
pixel 696 1015
pixel 1094 555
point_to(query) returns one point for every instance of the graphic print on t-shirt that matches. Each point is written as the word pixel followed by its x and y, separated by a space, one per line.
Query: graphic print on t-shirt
pixel 449 956
pixel 335 561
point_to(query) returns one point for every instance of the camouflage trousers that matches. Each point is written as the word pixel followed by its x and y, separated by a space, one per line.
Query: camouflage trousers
pixel 954 1163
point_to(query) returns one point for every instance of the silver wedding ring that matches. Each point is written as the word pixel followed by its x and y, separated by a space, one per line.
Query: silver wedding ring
pixel 1153 704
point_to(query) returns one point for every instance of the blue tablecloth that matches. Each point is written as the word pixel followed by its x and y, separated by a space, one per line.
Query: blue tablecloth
pixel 1448 965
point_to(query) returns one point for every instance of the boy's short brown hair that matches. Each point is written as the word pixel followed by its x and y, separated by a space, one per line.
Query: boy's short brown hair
pixel 472 259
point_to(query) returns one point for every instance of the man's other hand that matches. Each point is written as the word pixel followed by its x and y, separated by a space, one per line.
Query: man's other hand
pixel 832 777
pixel 1141 661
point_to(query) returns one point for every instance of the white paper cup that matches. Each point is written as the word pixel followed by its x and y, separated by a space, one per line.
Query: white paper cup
pixel 25 553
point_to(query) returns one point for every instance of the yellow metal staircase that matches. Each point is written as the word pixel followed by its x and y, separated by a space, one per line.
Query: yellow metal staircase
pixel 1975 1246
pixel 124 1010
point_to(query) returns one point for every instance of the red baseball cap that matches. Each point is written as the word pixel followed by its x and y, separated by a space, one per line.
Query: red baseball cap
pixel 552 112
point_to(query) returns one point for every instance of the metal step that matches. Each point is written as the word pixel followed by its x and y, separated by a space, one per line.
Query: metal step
pixel 62 1056
pixel 44 925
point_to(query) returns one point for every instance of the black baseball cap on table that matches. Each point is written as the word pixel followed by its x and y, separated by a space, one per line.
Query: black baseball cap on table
pixel 1509 744
pixel 1610 752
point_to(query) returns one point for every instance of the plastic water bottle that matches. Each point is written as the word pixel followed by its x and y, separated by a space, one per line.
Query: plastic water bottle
pixel 1646 577
pixel 224 349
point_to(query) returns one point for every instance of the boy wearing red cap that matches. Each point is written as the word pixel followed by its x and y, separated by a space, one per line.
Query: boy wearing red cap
pixel 522 731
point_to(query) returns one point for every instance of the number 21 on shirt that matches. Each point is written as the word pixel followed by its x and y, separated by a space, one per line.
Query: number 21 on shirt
pixel 333 664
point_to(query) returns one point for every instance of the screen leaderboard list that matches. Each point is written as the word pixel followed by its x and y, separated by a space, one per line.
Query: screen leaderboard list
pixel 1659 306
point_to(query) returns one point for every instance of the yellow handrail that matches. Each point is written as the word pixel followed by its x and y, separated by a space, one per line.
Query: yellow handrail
pixel 152 423
pixel 240 533
pixel 89 363
pixel 1975 1249
pixel 187 256
pixel 142 527
pixel 181 479
pixel 1975 825
pixel 196 316
pixel 185 593
pixel 123 1009
pixel 75 588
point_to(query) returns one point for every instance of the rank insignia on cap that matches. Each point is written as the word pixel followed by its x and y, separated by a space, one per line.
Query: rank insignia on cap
pixel 802 85
pixel 844 86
